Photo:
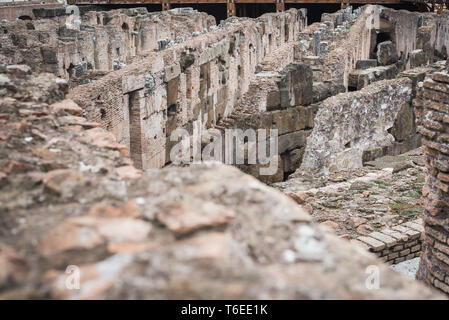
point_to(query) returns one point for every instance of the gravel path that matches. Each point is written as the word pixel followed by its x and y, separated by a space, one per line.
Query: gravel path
pixel 408 267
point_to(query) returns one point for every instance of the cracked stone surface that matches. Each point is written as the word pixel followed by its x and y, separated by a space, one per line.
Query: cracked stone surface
pixel 74 208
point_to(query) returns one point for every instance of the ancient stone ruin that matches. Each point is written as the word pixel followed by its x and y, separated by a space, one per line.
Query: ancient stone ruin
pixel 163 155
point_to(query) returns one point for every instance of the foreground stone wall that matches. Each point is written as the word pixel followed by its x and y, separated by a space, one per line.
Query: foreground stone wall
pixel 191 85
pixel 432 105
pixel 70 196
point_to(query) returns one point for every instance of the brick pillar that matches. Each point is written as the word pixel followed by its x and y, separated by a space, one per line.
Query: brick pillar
pixel 166 5
pixel 135 127
pixel 432 111
pixel 280 5
pixel 230 4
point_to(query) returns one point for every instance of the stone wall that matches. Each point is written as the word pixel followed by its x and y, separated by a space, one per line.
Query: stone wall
pixel 24 10
pixel 69 195
pixel 441 35
pixel 348 124
pixel 404 128
pixel 191 85
pixel 354 46
pixel 432 109
pixel 279 100
pixel 402 28
pixel 417 39
pixel 105 40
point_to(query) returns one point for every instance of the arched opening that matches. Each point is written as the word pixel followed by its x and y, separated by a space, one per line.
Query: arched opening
pixel 125 26
pixel 383 36
pixel 24 18
pixel 70 70
pixel 380 37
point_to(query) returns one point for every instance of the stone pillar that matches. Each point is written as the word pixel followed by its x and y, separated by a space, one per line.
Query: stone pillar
pixel 230 5
pixel 316 43
pixel 324 47
pixel 304 46
pixel 339 19
pixel 280 5
pixel 432 111
pixel 166 5
pixel 347 12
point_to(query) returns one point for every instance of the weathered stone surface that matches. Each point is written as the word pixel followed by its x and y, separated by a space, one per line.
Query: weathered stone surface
pixel 386 53
pixel 417 58
pixel 365 64
pixel 404 124
pixel 128 172
pixel 359 79
pixel 338 140
pixel 326 89
pixel 19 70
pixel 67 106
pixel 13 266
pixel 185 216
pixel 433 117
pixel 70 195
pixel 90 233
pixel 63 182
pixel 72 235
pixel 295 85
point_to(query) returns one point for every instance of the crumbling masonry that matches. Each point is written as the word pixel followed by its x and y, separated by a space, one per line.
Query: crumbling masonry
pixel 432 106
pixel 87 110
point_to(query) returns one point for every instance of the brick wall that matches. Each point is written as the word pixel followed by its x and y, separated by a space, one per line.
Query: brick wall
pixel 190 85
pixel 432 108
pixel 396 244
pixel 278 99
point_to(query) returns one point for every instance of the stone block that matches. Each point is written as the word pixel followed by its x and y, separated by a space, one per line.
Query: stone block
pixel 393 255
pixel 324 48
pixel 417 58
pixel 386 53
pixel 292 140
pixel 375 245
pixel 366 64
pixel 389 241
pixel 400 259
pixel 295 85
pixel 404 124
pixel 49 55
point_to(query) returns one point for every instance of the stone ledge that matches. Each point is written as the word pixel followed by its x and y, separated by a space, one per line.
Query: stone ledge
pixel 396 244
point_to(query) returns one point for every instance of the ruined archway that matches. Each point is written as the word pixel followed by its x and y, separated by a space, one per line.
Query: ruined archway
pixel 24 17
